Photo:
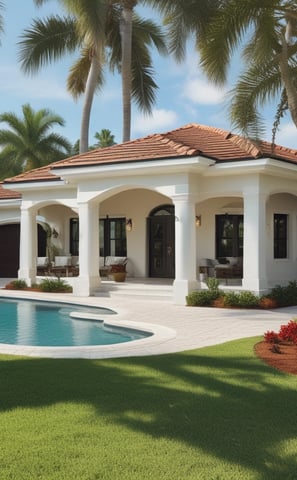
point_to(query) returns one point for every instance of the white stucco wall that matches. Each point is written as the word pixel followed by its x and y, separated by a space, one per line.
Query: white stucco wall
pixel 58 217
pixel 281 270
pixel 137 205
pixel 217 189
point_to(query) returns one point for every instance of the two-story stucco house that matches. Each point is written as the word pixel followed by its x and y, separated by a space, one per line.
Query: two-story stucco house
pixel 188 195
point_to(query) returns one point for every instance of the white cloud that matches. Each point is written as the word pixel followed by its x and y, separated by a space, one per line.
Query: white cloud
pixel 13 82
pixel 195 87
pixel 201 92
pixel 287 135
pixel 159 120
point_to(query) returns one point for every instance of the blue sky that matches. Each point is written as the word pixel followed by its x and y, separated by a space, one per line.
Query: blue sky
pixel 184 94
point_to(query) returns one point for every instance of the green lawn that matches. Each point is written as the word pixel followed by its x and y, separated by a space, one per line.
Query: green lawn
pixel 216 413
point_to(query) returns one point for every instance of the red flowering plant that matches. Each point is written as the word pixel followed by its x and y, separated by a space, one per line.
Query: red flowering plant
pixel 288 332
pixel 271 337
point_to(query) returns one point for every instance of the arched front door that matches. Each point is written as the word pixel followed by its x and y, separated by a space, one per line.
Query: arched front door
pixel 161 241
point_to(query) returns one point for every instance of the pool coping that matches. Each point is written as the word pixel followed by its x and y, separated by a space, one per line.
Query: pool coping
pixel 177 328
pixel 159 334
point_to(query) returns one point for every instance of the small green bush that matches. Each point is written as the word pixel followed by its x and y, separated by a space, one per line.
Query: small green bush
pixel 201 298
pixel 231 299
pixel 213 283
pixel 244 299
pixel 49 285
pixel 284 296
pixel 18 284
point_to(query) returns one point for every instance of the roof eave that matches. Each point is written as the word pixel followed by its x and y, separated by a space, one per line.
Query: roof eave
pixel 26 185
pixel 10 202
pixel 198 163
pixel 266 165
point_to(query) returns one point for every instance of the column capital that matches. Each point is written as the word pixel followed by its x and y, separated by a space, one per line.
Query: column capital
pixel 184 197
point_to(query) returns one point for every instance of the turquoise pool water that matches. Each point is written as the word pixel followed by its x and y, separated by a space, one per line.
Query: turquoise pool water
pixel 26 322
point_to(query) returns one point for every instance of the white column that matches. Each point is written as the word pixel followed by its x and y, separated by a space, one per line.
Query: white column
pixel 88 279
pixel 185 248
pixel 254 247
pixel 28 246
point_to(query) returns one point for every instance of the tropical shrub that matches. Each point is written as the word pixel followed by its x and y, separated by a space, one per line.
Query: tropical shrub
pixel 271 337
pixel 231 299
pixel 213 283
pixel 244 299
pixel 50 285
pixel 17 284
pixel 288 332
pixel 202 298
pixel 284 295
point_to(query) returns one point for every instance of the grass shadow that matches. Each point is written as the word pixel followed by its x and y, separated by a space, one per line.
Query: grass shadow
pixel 220 400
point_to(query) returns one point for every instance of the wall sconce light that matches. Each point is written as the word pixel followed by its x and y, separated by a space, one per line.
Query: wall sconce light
pixel 129 225
pixel 55 233
pixel 198 221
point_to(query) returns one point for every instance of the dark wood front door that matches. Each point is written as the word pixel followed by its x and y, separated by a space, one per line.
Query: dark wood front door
pixel 9 250
pixel 161 233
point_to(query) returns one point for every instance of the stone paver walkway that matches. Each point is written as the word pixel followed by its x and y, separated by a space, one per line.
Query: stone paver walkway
pixel 176 328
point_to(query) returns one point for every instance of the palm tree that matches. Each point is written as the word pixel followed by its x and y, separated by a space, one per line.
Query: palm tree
pixel 1 18
pixel 28 143
pixel 126 61
pixel 104 139
pixel 184 19
pixel 93 28
pixel 266 30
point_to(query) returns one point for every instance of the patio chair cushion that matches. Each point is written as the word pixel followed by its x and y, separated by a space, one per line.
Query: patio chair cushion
pixel 42 261
pixel 115 261
pixel 63 261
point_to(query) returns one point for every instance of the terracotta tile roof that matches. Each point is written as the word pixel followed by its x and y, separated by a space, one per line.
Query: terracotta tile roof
pixel 38 174
pixel 189 140
pixel 8 194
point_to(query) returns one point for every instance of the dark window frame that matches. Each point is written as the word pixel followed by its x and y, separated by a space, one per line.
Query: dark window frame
pixel 114 237
pixel 229 235
pixel 114 240
pixel 74 236
pixel 280 235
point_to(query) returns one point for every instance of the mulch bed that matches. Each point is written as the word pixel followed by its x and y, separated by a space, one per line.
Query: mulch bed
pixel 282 356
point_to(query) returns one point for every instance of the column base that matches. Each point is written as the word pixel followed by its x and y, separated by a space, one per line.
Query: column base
pixel 259 286
pixel 182 288
pixel 27 274
pixel 85 286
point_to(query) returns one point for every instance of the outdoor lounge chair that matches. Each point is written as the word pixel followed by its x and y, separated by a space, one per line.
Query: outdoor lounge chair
pixel 42 266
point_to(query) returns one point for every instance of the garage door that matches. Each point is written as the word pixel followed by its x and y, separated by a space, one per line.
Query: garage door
pixel 9 250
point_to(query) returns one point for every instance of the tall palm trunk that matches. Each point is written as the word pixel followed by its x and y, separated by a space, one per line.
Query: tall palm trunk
pixel 126 38
pixel 89 95
pixel 286 75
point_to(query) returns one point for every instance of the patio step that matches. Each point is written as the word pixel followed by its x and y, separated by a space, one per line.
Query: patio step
pixel 137 290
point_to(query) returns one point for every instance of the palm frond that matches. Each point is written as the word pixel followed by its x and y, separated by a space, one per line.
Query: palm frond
pixel 46 41
pixel 78 74
pixel 90 17
pixel 261 83
pixel 224 35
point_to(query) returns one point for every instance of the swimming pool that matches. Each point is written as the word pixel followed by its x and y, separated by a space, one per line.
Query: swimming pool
pixel 43 324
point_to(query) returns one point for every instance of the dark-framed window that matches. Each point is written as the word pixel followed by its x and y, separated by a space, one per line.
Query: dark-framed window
pixel 229 236
pixel 112 237
pixel 74 236
pixel 280 224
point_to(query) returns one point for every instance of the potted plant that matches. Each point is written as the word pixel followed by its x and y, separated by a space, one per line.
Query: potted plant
pixel 118 272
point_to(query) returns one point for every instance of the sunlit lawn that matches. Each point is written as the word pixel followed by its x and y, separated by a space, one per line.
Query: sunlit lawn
pixel 214 414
